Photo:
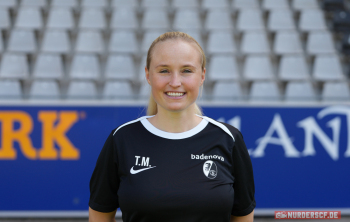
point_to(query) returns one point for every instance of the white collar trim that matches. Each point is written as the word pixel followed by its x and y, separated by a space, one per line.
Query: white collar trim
pixel 173 136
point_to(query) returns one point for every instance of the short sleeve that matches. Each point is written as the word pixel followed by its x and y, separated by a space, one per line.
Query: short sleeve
pixel 244 189
pixel 104 181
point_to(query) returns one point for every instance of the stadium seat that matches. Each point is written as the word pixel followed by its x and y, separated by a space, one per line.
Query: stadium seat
pixel 85 67
pixel 92 18
pixel 44 89
pixel 255 42
pixel 89 41
pixel 250 19
pixel 14 66
pixel 335 91
pixel 124 3
pixel 320 42
pixel 300 91
pixel 210 4
pixel 264 91
pixel 304 4
pixel 10 89
pixel 148 38
pixel 29 18
pixel 327 67
pixel 293 67
pixel 37 3
pixel 287 42
pixel 8 3
pixel 117 90
pixel 22 41
pixel 124 18
pixel 123 42
pixel 227 91
pixel 223 68
pixel 258 68
pixel 145 91
pixel 65 3
pixel 245 4
pixel 341 21
pixel 311 20
pixel 218 19
pixel 187 19
pixel 56 41
pixel 120 67
pixel 60 18
pixel 141 71
pixel 185 4
pixel 4 18
pixel 221 42
pixel 274 4
pixel 1 44
pixel 94 3
pixel 154 18
pixel 81 90
pixel 154 3
pixel 48 66
pixel 280 19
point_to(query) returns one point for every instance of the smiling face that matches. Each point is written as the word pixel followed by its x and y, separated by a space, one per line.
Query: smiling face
pixel 175 75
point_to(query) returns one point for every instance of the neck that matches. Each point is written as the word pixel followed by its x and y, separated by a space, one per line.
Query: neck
pixel 175 122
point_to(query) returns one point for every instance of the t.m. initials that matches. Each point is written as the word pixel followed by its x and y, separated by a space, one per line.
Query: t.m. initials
pixel 55 125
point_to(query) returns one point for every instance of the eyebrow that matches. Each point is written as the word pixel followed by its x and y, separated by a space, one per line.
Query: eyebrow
pixel 163 65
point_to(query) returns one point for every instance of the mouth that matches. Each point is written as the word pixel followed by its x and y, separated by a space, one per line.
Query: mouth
pixel 175 94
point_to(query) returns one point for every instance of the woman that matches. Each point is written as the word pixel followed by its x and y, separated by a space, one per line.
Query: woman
pixel 174 164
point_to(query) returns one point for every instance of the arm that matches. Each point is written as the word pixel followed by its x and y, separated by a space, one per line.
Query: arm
pixel 247 218
pixel 95 216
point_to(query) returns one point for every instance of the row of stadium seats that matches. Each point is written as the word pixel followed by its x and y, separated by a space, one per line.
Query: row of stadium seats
pixel 122 67
pixel 206 4
pixel 253 42
pixel 95 49
pixel 153 18
pixel 229 91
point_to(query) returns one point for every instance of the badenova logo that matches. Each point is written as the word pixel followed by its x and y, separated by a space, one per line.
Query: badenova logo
pixel 210 169
pixel 17 126
pixel 206 157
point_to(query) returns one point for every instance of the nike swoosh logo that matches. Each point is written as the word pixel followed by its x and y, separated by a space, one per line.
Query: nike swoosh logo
pixel 132 171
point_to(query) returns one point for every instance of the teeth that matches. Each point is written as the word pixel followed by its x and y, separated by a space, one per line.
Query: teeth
pixel 175 94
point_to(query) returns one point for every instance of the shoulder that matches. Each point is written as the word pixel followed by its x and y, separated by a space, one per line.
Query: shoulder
pixel 128 125
pixel 227 128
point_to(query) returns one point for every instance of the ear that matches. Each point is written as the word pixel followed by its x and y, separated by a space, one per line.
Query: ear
pixel 203 76
pixel 147 75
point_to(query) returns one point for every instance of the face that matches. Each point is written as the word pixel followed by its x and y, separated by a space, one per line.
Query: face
pixel 175 75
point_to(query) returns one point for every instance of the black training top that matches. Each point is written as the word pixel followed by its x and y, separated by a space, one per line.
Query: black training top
pixel 204 174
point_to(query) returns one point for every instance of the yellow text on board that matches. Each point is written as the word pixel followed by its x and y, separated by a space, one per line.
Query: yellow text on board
pixel 55 125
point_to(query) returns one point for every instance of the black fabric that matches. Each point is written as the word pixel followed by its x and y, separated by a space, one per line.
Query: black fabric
pixel 174 186
pixel 243 172
pixel 104 181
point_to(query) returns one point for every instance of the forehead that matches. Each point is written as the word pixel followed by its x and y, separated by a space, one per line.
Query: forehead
pixel 176 51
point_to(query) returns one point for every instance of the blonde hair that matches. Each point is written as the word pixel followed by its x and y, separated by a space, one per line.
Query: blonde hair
pixel 152 105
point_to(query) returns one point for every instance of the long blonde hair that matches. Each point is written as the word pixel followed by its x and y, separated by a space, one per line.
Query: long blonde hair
pixel 152 105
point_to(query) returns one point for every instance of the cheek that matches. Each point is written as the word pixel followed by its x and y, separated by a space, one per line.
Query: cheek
pixel 194 84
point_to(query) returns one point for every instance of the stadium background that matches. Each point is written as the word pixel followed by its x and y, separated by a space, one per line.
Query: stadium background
pixel 272 64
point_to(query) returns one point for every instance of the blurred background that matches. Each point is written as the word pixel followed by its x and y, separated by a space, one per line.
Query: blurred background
pixel 278 70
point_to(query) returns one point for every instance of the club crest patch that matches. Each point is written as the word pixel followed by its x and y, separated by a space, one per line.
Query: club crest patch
pixel 210 169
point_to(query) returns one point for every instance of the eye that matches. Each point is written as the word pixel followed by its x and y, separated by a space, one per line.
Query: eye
pixel 187 71
pixel 164 71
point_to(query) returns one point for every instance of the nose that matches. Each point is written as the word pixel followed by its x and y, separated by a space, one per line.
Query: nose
pixel 175 80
